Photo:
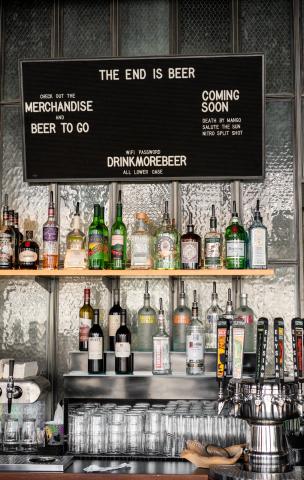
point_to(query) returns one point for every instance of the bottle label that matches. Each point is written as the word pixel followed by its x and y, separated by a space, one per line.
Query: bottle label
pixel 117 243
pixel 144 319
pixel 6 251
pixel 114 324
pixel 238 348
pixel 181 319
pixel 258 247
pixel 212 251
pixel 95 348
pixel 195 347
pixel 211 329
pixel 28 256
pixel 165 245
pixel 50 234
pixel 140 251
pixel 76 243
pixel 95 246
pixel 161 353
pixel 122 349
pixel 189 252
pixel 84 328
pixel 235 248
pixel 247 319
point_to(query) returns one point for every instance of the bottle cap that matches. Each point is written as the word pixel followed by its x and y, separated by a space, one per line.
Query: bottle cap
pixel 141 216
pixel 257 213
pixel 77 209
pixel 29 234
pixel 119 197
pixel 234 212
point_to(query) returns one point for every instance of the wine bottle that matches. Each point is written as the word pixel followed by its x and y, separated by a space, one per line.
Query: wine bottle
pixel 86 314
pixel 98 241
pixel 114 320
pixel 123 356
pixel 95 357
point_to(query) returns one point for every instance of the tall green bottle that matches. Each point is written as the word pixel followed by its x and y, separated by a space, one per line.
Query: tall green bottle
pixel 118 239
pixel 235 240
pixel 98 242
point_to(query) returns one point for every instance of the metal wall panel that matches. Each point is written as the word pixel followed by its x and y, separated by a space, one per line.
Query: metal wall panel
pixel 277 192
pixel 27 27
pixel 86 27
pixel 266 26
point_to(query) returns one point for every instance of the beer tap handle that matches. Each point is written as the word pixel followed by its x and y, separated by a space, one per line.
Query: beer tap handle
pixel 261 349
pixel 278 325
pixel 297 329
pixel 11 365
pixel 222 356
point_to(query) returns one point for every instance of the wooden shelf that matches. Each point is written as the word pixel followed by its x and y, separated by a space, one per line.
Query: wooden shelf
pixel 76 272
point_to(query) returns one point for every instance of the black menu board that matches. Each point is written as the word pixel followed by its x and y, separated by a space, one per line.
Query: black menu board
pixel 137 119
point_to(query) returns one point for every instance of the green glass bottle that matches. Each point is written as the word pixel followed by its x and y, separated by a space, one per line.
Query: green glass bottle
pixel 105 239
pixel 98 241
pixel 118 239
pixel 235 239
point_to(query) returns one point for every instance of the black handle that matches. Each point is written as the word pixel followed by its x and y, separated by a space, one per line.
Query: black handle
pixel 11 365
pixel 297 327
pixel 261 348
pixel 278 338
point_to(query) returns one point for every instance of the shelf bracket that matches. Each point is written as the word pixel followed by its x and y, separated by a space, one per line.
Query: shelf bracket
pixel 44 282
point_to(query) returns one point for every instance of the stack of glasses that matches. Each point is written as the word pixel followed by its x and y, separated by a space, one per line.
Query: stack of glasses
pixel 145 429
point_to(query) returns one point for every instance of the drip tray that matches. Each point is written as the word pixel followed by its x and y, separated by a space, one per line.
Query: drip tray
pixel 34 463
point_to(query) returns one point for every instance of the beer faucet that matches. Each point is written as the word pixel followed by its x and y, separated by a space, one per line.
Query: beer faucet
pixel 278 324
pixel 262 336
pixel 12 390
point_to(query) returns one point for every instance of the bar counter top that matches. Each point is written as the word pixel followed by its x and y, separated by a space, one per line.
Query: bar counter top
pixel 140 469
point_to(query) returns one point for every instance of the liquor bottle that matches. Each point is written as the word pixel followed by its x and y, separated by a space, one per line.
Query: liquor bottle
pixel 246 314
pixel 161 346
pixel 195 344
pixel 141 243
pixel 146 324
pixel 75 256
pixel 11 222
pixel 235 237
pixel 213 244
pixel 114 320
pixel 95 346
pixel 5 208
pixel 177 242
pixel 190 247
pixel 229 315
pixel 16 226
pixel 257 241
pixel 86 314
pixel 50 257
pixel 118 239
pixel 166 249
pixel 181 320
pixel 29 252
pixel 213 314
pixel 7 242
pixel 123 356
pixel 98 246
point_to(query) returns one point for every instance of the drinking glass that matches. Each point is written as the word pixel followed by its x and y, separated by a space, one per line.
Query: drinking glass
pixel 153 445
pixel 97 438
pixel 152 422
pixel 29 435
pixel 11 438
pixel 116 439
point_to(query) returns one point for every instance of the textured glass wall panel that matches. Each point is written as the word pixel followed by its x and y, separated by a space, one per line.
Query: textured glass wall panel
pixel 272 297
pixel 70 301
pixel 144 27
pixel 197 198
pixel 276 193
pixel 86 195
pixel 204 26
pixel 204 287
pixel 132 297
pixel 26 410
pixel 86 31
pixel 27 34
pixel 266 26
pixel 23 320
pixel 29 200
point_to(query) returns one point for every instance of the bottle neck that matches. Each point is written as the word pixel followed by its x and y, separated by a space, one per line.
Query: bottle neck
pixel 194 313
pixel 182 299
pixel 214 298
pixel 123 320
pixel 101 216
pixel 29 236
pixel 87 298
pixel 116 298
pixel 213 224
pixel 190 228
pixel 161 322
pixel 96 320
pixel 234 219
pixel 119 212
pixel 229 309
pixel 5 218
pixel 146 301
pixel 243 302
pixel 76 222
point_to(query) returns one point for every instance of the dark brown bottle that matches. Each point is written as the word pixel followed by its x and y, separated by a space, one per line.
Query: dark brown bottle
pixel 190 248
pixel 7 242
pixel 123 356
pixel 29 252
pixel 11 221
pixel 114 320
pixel 95 350
pixel 16 225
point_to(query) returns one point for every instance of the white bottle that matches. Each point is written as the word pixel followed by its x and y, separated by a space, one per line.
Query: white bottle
pixel 195 343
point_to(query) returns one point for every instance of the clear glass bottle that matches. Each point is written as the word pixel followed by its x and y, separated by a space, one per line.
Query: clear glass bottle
pixel 212 316
pixel 213 244
pixel 246 314
pixel 229 315
pixel 161 346
pixel 236 239
pixel 177 242
pixel 29 252
pixel 75 256
pixel 190 247
pixel 195 342
pixel 257 241
pixel 7 242
pixel 118 239
pixel 181 320
pixel 50 259
pixel 141 243
pixel 146 324
pixel 166 255
pixel 11 222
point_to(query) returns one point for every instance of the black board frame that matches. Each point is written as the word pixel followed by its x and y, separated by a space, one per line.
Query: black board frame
pixel 146 179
